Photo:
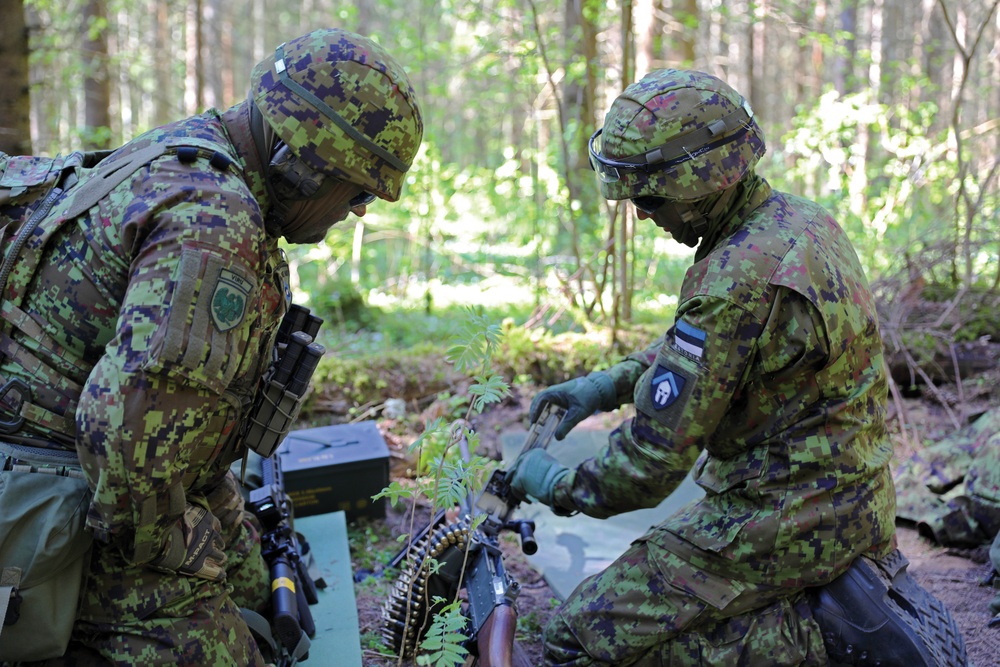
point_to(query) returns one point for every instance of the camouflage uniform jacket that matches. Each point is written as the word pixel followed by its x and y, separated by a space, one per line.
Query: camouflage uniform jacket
pixel 146 324
pixel 771 385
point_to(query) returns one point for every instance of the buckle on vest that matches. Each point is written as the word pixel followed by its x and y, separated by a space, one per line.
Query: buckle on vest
pixel 24 392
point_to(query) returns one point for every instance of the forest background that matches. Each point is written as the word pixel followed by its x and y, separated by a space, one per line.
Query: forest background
pixel 885 111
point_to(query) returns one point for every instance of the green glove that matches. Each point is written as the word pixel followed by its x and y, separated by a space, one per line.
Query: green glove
pixel 536 474
pixel 582 397
pixel 194 546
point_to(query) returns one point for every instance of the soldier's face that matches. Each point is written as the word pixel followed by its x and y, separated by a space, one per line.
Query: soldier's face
pixel 309 220
pixel 670 218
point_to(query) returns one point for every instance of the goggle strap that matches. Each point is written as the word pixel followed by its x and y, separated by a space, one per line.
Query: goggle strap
pixel 326 110
pixel 676 147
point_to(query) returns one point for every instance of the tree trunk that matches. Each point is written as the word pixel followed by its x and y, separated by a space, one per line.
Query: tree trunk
pixel 96 82
pixel 15 100
pixel 645 33
pixel 621 230
pixel 194 84
pixel 683 37
pixel 844 77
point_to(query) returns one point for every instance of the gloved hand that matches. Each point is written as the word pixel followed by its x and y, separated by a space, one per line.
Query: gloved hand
pixel 194 545
pixel 582 397
pixel 536 474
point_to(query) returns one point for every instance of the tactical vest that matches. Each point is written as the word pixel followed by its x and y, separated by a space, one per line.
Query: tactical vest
pixel 37 197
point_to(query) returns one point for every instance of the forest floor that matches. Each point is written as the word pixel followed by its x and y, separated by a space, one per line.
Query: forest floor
pixel 954 576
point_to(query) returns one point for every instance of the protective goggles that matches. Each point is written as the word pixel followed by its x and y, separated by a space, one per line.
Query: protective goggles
pixel 362 199
pixel 675 151
pixel 648 204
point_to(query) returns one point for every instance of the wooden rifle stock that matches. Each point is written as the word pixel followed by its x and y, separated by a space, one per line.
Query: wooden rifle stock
pixel 496 640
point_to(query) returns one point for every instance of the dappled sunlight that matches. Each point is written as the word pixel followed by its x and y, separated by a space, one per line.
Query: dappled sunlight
pixel 490 292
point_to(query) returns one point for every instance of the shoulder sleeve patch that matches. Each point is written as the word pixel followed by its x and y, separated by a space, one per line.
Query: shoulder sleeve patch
pixel 229 300
pixel 202 338
pixel 665 388
pixel 689 339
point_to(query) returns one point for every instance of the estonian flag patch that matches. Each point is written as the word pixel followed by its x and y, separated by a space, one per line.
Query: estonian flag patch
pixel 689 339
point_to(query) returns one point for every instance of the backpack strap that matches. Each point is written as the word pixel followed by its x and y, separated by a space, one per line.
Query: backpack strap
pixel 109 174
pixel 93 186
pixel 261 629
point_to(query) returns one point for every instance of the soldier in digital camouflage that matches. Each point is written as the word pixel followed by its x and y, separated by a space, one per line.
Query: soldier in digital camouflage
pixel 770 388
pixel 140 328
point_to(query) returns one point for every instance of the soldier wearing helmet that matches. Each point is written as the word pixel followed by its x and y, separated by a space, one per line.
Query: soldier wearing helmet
pixel 135 334
pixel 769 387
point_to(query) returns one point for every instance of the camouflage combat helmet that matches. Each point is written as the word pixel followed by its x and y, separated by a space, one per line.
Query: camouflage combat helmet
pixel 681 135
pixel 343 106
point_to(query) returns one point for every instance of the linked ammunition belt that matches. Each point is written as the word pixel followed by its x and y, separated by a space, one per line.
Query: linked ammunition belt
pixel 410 605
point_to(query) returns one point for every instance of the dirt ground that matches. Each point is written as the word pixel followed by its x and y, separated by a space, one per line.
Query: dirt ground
pixel 954 576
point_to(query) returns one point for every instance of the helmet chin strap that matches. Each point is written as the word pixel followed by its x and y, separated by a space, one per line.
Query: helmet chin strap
pixel 274 220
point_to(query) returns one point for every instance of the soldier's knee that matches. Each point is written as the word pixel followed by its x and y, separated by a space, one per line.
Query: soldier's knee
pixel 560 645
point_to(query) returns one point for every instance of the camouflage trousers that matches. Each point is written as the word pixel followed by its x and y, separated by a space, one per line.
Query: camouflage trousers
pixel 137 616
pixel 652 607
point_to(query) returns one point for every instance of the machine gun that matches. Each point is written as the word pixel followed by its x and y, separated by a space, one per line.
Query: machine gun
pixel 490 591
pixel 292 588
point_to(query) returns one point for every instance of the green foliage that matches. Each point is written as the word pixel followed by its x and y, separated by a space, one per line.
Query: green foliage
pixel 432 446
pixel 415 372
pixel 474 343
pixel 487 390
pixel 548 358
pixel 443 641
pixel 363 535
pixel 899 206
pixel 454 472
pixel 456 479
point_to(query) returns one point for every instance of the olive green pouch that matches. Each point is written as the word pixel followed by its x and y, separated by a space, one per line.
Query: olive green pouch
pixel 44 548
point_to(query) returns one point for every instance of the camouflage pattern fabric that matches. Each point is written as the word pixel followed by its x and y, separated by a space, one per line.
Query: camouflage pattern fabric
pixel 951 488
pixel 158 309
pixel 641 611
pixel 364 87
pixel 664 108
pixel 771 385
pixel 131 615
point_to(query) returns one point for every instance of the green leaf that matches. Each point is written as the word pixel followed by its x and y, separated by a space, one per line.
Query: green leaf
pixel 430 430
pixel 444 639
pixel 487 390
pixel 394 492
